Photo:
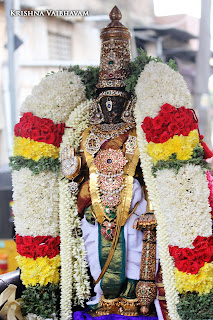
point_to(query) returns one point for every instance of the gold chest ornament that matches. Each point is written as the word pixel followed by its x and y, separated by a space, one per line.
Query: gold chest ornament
pixel 111 175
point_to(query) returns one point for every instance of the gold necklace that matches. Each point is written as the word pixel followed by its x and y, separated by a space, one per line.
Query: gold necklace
pixel 110 131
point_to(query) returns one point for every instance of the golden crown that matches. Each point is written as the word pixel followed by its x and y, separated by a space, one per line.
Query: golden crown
pixel 115 53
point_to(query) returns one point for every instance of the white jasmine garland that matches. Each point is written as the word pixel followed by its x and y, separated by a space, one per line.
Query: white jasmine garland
pixel 78 121
pixel 36 203
pixel 74 278
pixel 159 84
pixel 55 96
pixel 184 202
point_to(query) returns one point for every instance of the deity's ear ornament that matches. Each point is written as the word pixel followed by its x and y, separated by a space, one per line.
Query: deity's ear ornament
pixel 96 114
pixel 128 114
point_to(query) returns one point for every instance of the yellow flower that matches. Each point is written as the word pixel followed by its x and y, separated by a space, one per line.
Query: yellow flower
pixel 181 145
pixel 35 150
pixel 202 282
pixel 40 271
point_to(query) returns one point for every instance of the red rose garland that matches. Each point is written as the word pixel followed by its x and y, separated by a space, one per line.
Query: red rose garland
pixel 169 122
pixel 41 130
pixel 39 246
pixel 191 260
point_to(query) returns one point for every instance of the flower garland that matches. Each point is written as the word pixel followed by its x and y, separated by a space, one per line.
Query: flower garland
pixel 159 84
pixel 34 150
pixel 191 260
pixel 36 203
pixel 55 97
pixel 41 271
pixel 172 193
pixel 179 193
pixel 43 164
pixel 201 282
pixel 182 146
pixel 36 189
pixel 168 123
pixel 41 130
pixel 74 278
pixel 48 297
pixel 34 247
pixel 197 158
pixel 201 305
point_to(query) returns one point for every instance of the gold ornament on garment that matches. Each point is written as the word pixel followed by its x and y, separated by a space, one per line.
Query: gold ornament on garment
pixel 127 173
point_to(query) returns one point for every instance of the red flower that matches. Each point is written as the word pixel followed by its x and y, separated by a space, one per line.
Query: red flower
pixel 167 108
pixel 17 130
pixel 182 265
pixel 210 240
pixel 26 129
pixel 179 255
pixel 202 246
pixel 185 131
pixel 158 122
pixel 180 123
pixel 41 130
pixel 147 125
pixel 149 137
pixel 198 240
pixel 173 129
pixel 193 268
pixel 42 251
pixel 207 254
pixel 40 246
pixel 188 253
pixel 167 118
pixel 193 126
pixel 26 117
pixel 164 137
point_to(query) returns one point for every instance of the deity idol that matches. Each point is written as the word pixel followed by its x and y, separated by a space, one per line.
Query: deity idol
pixel 133 171
pixel 111 200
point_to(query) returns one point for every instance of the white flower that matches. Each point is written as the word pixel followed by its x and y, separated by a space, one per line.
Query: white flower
pixel 159 84
pixel 55 96
pixel 74 279
pixel 78 121
pixel 184 202
pixel 36 203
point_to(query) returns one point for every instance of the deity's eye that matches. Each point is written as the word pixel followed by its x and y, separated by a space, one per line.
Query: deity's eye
pixel 109 160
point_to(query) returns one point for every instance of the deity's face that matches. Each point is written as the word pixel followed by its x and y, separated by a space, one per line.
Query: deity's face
pixel 117 107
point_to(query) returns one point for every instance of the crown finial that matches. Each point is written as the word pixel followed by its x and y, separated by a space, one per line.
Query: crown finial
pixel 115 14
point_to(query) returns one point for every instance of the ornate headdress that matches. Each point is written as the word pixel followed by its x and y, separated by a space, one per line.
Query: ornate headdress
pixel 115 53
pixel 114 67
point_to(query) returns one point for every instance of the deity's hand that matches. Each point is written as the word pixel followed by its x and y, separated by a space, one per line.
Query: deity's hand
pixel 70 163
pixel 145 221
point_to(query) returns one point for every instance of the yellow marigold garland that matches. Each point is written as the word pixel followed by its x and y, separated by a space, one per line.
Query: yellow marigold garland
pixel 181 145
pixel 202 282
pixel 40 271
pixel 35 150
